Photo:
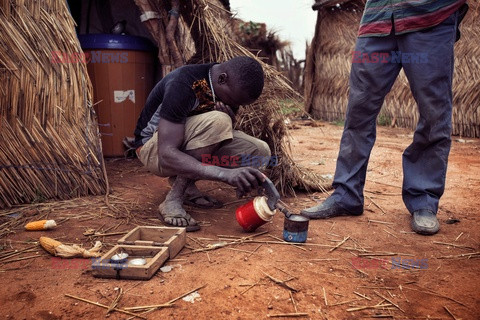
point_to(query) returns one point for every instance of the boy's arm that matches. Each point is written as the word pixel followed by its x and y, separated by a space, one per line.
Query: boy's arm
pixel 170 139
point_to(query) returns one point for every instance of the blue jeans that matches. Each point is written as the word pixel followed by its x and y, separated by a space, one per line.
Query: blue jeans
pixel 430 79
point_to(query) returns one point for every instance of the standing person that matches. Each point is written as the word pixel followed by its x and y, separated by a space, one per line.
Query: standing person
pixel 188 117
pixel 418 36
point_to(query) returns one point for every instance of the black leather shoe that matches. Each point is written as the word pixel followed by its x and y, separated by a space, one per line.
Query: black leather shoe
pixel 327 209
pixel 425 222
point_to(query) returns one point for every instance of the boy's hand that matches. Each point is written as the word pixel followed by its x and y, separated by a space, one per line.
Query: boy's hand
pixel 220 106
pixel 245 179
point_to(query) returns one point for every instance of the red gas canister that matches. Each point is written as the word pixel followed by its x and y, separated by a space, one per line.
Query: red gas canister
pixel 254 213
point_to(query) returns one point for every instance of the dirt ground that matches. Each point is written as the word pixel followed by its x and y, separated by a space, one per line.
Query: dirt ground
pixel 344 271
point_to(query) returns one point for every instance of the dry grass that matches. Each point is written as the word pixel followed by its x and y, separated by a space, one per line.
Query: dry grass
pixel 50 147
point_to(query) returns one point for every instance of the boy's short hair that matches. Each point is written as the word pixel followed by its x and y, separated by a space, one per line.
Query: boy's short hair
pixel 249 74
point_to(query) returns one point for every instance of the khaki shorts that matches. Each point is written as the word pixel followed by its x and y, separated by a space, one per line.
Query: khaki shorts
pixel 204 130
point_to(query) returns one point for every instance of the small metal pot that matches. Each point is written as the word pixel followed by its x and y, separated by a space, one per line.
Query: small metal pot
pixel 295 228
pixel 119 258
pixel 137 262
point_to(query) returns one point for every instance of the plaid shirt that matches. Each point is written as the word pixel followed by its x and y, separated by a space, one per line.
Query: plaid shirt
pixel 405 15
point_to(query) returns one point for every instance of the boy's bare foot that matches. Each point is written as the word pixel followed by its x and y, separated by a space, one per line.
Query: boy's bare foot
pixel 174 215
pixel 195 198
pixel 171 210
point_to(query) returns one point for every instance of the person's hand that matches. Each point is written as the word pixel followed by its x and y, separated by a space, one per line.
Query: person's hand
pixel 244 179
pixel 220 106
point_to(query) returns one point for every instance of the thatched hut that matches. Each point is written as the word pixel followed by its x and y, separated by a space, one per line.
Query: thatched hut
pixel 49 144
pixel 328 66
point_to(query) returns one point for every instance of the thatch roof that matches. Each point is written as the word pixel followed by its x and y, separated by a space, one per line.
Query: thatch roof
pixel 49 145
pixel 329 60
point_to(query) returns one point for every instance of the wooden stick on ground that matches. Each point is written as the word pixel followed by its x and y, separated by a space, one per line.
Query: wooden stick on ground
pixel 468 255
pixel 196 241
pixel 250 287
pixel 359 270
pixel 151 307
pixel 458 237
pixel 345 302
pixel 378 221
pixel 240 250
pixel 453 245
pixel 287 315
pixel 390 233
pixel 358 244
pixel 23 258
pixel 373 287
pixel 246 237
pixel 307 260
pixel 104 306
pixel 401 289
pixel 287 273
pixel 281 283
pixel 369 307
pixel 333 234
pixel 107 234
pixel 373 254
pixel 167 304
pixel 114 303
pixel 362 295
pixel 325 296
pixel 8 255
pixel 438 295
pixel 450 313
pixel 212 247
pixel 17 268
pixel 381 296
pixel 293 301
pixel 340 243
pixel 333 224
pixel 289 243
pixel 376 205
pixel 251 253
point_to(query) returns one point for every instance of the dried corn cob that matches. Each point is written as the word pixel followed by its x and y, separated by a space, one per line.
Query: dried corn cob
pixel 40 225
pixel 49 244
pixel 65 251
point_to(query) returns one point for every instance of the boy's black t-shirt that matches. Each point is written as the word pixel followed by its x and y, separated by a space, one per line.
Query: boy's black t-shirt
pixel 172 99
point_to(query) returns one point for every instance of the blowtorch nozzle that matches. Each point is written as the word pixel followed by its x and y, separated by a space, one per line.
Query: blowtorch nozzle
pixel 273 197
pixel 283 210
pixel 268 188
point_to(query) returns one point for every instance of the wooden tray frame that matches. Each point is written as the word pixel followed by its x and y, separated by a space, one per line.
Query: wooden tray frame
pixel 171 237
pixel 103 268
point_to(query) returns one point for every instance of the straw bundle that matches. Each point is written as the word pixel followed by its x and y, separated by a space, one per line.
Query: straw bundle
pixel 49 144
pixel 329 60
pixel 214 41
